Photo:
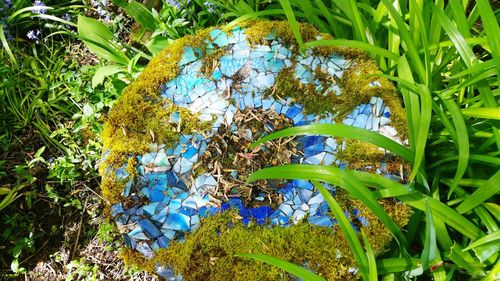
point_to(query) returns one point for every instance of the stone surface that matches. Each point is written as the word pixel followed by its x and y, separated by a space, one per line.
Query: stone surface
pixel 169 196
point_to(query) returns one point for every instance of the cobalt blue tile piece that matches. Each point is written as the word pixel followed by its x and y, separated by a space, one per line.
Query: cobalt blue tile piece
pixel 149 228
pixel 163 241
pixel 323 221
pixel 260 214
pixel 156 195
pixel 225 206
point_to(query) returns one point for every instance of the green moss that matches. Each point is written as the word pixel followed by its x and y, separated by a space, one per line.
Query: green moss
pixel 209 252
pixel 314 102
pixel 112 188
pixel 360 152
pixel 355 84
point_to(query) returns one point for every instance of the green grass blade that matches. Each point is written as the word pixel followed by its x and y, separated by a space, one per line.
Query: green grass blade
pixel 494 209
pixel 287 266
pixel 292 21
pixel 6 47
pixel 465 260
pixel 423 130
pixel 485 192
pixel 345 225
pixel 407 39
pixel 493 274
pixel 462 142
pixel 430 251
pixel 492 237
pixel 340 130
pixel 483 112
pixel 417 200
pixel 492 30
pixel 248 16
pixel 372 264
pixel 456 37
pixel 312 15
pixel 393 265
pixel 335 176
pixel 357 19
pixel 410 99
pixel 354 44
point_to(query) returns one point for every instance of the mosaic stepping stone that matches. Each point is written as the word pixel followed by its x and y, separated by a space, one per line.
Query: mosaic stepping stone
pixel 177 154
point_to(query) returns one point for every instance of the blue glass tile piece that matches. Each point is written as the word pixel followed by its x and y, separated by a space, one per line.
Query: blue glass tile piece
pixel 117 209
pixel 144 249
pixel 217 74
pixel 323 221
pixel 149 228
pixel 176 221
pixel 156 195
pixel 138 234
pixel 260 214
pixel 150 208
pixel 188 56
pixel 360 121
pixel 167 273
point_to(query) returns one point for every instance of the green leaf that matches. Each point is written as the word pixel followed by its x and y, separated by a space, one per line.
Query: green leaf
pixel 157 44
pixel 430 251
pixel 465 260
pixel 139 13
pixel 103 72
pixel 341 130
pixel 98 38
pixel 418 199
pixel 494 209
pixel 287 266
pixel 485 192
pixel 392 265
pixel 294 25
pixel 492 237
pixel 490 23
pixel 483 112
pixel 372 265
pixel 6 47
pixel 461 142
pixel 345 225
pixel 423 129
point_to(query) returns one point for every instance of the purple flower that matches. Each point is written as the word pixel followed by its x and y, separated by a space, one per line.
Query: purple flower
pixel 39 3
pixel 66 17
pixel 210 6
pixel 31 35
pixel 173 3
